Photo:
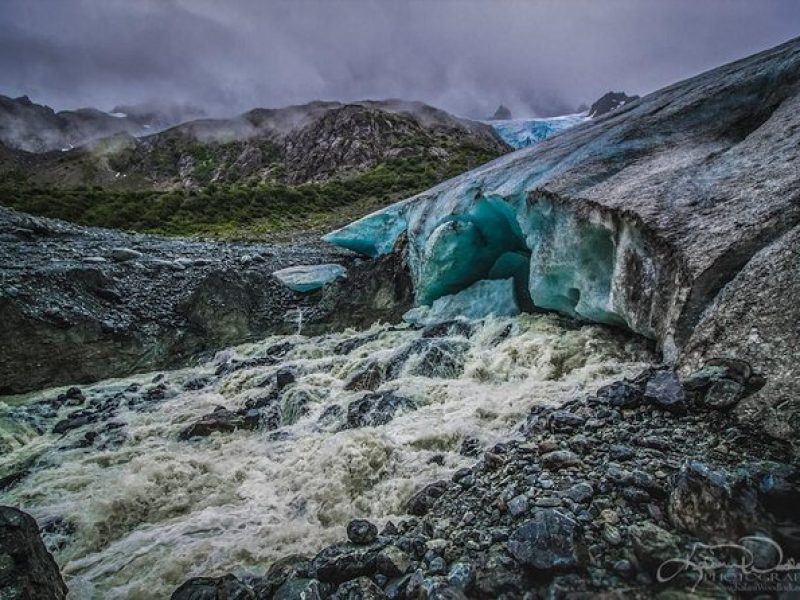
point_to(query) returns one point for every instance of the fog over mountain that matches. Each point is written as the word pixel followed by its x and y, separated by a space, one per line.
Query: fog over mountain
pixel 538 58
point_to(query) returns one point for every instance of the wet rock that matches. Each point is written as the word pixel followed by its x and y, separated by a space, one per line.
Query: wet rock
pixel 421 502
pixel 429 357
pixel 564 421
pixel 369 377
pixel 73 397
pixel 724 393
pixel 547 542
pixel 27 569
pixel 376 408
pixel 664 391
pixel 448 329
pixel 361 588
pixel 342 562
pixel 361 532
pixel 621 394
pixel 281 571
pixel 222 420
pixel 721 506
pixel 470 446
pixel 392 562
pixel 74 421
pixel 301 588
pixel 621 453
pixel 284 377
pixel 354 343
pixel 213 588
pixel 461 575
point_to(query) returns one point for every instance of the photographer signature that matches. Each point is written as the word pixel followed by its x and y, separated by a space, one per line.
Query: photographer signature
pixel 704 559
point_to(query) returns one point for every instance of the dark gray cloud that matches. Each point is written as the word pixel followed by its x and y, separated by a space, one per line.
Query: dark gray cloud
pixel 537 56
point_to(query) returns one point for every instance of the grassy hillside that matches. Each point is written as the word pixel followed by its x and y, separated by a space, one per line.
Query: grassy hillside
pixel 241 209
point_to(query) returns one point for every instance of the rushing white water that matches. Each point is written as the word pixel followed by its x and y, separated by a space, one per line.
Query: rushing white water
pixel 139 517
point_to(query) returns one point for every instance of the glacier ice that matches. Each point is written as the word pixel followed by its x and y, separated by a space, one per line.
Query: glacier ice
pixel 481 299
pixel 576 262
pixel 519 133
pixel 307 278
pixel 373 235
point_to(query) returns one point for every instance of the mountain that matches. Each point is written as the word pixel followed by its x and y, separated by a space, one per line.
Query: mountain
pixel 502 113
pixel 608 102
pixel 25 125
pixel 274 169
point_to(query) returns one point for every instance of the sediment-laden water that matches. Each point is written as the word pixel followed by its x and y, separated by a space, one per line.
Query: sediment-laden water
pixel 130 510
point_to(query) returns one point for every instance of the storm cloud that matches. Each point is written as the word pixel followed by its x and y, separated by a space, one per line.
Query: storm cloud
pixel 539 57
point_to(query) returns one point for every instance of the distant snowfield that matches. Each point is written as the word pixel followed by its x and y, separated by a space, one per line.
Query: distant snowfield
pixel 519 133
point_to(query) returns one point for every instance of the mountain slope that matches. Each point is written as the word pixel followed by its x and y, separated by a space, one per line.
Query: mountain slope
pixel 25 125
pixel 267 170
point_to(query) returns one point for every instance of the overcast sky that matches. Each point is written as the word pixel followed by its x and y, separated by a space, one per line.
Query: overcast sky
pixel 539 57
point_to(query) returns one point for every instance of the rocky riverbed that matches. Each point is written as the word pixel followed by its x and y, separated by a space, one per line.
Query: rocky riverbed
pixel 272 448
pixel 84 304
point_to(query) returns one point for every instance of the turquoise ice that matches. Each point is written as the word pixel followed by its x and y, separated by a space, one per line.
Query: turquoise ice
pixel 307 278
pixel 481 299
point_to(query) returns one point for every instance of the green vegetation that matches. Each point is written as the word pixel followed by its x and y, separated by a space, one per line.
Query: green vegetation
pixel 244 209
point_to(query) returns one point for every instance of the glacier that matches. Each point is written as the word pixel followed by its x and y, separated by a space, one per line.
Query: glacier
pixel 308 278
pixel 519 133
pixel 496 223
pixel 481 299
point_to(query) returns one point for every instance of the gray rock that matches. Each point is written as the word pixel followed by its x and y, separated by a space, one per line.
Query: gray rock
pixel 391 561
pixel 360 531
pixel 361 588
pixel 560 458
pixel 461 575
pixel 421 502
pixel 27 569
pixel 213 588
pixel 653 545
pixel 122 254
pixel 664 391
pixel 550 541
pixel 376 408
pixel 580 492
pixel 301 587
pixel 518 505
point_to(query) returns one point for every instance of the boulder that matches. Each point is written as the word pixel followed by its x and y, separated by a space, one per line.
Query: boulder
pixel 376 408
pixel 222 420
pixel 664 391
pixel 549 541
pixel 361 532
pixel 27 569
pixel 361 588
pixel 421 502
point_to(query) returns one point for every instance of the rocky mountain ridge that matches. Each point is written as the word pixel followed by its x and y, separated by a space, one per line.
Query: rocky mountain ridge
pixel 296 144
pixel 31 127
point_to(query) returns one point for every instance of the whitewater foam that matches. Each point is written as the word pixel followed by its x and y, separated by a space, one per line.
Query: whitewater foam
pixel 137 518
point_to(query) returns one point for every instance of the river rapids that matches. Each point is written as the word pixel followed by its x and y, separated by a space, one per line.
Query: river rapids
pixel 131 509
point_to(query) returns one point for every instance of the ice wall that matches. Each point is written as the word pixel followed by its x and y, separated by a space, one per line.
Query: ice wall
pixel 582 262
